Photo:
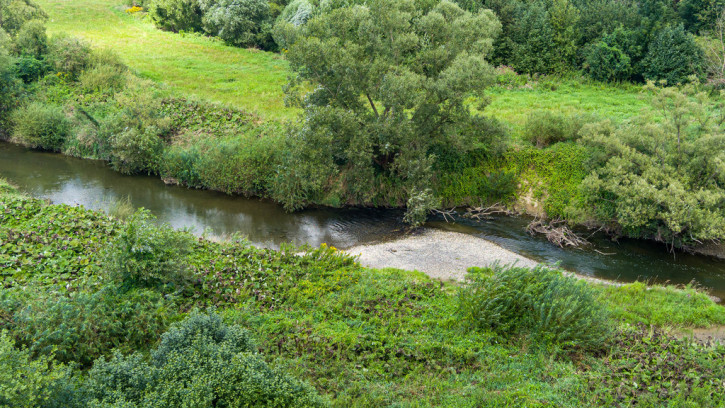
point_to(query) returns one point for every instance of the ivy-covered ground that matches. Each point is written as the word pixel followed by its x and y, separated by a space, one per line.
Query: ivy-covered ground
pixel 359 337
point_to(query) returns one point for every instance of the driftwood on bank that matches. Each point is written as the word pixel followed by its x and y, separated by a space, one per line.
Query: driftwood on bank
pixel 557 232
pixel 485 213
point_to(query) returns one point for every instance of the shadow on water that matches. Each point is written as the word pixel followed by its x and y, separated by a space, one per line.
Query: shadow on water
pixel 92 184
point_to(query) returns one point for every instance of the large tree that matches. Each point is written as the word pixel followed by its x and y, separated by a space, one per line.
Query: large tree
pixel 381 84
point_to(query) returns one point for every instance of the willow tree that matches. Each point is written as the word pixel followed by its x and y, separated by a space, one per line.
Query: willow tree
pixel 382 84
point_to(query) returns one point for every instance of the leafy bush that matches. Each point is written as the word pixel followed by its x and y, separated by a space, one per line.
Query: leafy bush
pixel 40 126
pixel 102 78
pixel 69 55
pixel 146 254
pixel 176 15
pixel 30 69
pixel 607 63
pixel 244 23
pixel 540 303
pixel 26 382
pixel 297 12
pixel 544 128
pixel 81 327
pixel 673 56
pixel 16 13
pixel 31 39
pixel 660 178
pixel 199 362
pixel 135 150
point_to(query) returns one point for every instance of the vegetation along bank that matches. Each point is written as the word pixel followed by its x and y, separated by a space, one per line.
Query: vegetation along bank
pixel 157 317
pixel 421 124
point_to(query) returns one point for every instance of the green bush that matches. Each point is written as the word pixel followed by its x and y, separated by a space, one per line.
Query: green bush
pixel 147 254
pixel 199 363
pixel 27 382
pixel 540 304
pixel 81 327
pixel 40 126
pixel 244 23
pixel 102 78
pixel 69 55
pixel 607 63
pixel 135 150
pixel 16 13
pixel 544 128
pixel 673 56
pixel 30 69
pixel 176 15
pixel 31 39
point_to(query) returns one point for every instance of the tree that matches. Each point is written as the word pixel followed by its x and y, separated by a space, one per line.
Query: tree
pixel 244 23
pixel 389 80
pixel 15 13
pixel 673 56
pixel 661 179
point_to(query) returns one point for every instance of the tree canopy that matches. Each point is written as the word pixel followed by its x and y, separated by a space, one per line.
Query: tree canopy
pixel 389 80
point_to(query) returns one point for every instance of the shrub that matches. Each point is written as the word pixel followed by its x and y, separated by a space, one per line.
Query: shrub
pixel 544 128
pixel 673 56
pixel 607 63
pixel 40 126
pixel 176 15
pixel 297 12
pixel 32 40
pixel 30 69
pixel 243 23
pixel 16 13
pixel 200 362
pixel 135 150
pixel 69 55
pixel 80 327
pixel 146 254
pixel 540 304
pixel 26 382
pixel 102 78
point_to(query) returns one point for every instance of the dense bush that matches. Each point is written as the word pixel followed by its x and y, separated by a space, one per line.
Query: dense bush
pixel 27 382
pixel 544 128
pixel 409 103
pixel 660 179
pixel 673 56
pixel 244 23
pixel 80 327
pixel 199 362
pixel 176 15
pixel 40 126
pixel 69 55
pixel 102 78
pixel 15 13
pixel 147 254
pixel 135 150
pixel 9 92
pixel 540 304
pixel 31 40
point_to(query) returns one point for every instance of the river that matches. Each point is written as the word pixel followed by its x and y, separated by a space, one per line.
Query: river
pixel 93 184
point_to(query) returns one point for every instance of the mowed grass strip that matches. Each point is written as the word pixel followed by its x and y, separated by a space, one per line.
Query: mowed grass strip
pixel 189 64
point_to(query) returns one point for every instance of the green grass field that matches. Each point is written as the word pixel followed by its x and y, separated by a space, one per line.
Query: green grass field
pixel 193 65
pixel 188 64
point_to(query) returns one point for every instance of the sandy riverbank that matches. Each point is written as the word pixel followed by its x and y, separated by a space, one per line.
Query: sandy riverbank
pixel 439 254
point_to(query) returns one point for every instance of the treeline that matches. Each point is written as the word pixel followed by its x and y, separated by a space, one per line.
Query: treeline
pixel 609 40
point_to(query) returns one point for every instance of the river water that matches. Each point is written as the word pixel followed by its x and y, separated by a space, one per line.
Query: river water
pixel 93 184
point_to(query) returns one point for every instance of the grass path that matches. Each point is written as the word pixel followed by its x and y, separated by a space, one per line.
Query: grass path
pixel 188 64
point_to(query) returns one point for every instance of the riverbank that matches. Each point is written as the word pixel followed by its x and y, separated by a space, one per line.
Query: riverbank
pixel 439 254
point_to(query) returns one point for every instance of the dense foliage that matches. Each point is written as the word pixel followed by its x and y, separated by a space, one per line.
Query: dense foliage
pixel 661 179
pixel 360 337
pixel 390 82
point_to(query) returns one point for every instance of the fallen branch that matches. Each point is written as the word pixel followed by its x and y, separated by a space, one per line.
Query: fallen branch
pixel 485 213
pixel 557 232
pixel 446 213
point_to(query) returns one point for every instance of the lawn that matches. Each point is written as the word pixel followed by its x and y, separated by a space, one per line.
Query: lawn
pixel 188 64
pixel 566 96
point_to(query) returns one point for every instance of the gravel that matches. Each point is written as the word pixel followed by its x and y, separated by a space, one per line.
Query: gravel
pixel 442 255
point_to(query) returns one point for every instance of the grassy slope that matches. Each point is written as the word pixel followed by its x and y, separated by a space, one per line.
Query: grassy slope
pixel 189 64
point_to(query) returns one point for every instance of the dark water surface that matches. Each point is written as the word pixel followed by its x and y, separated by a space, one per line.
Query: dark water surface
pixel 93 184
